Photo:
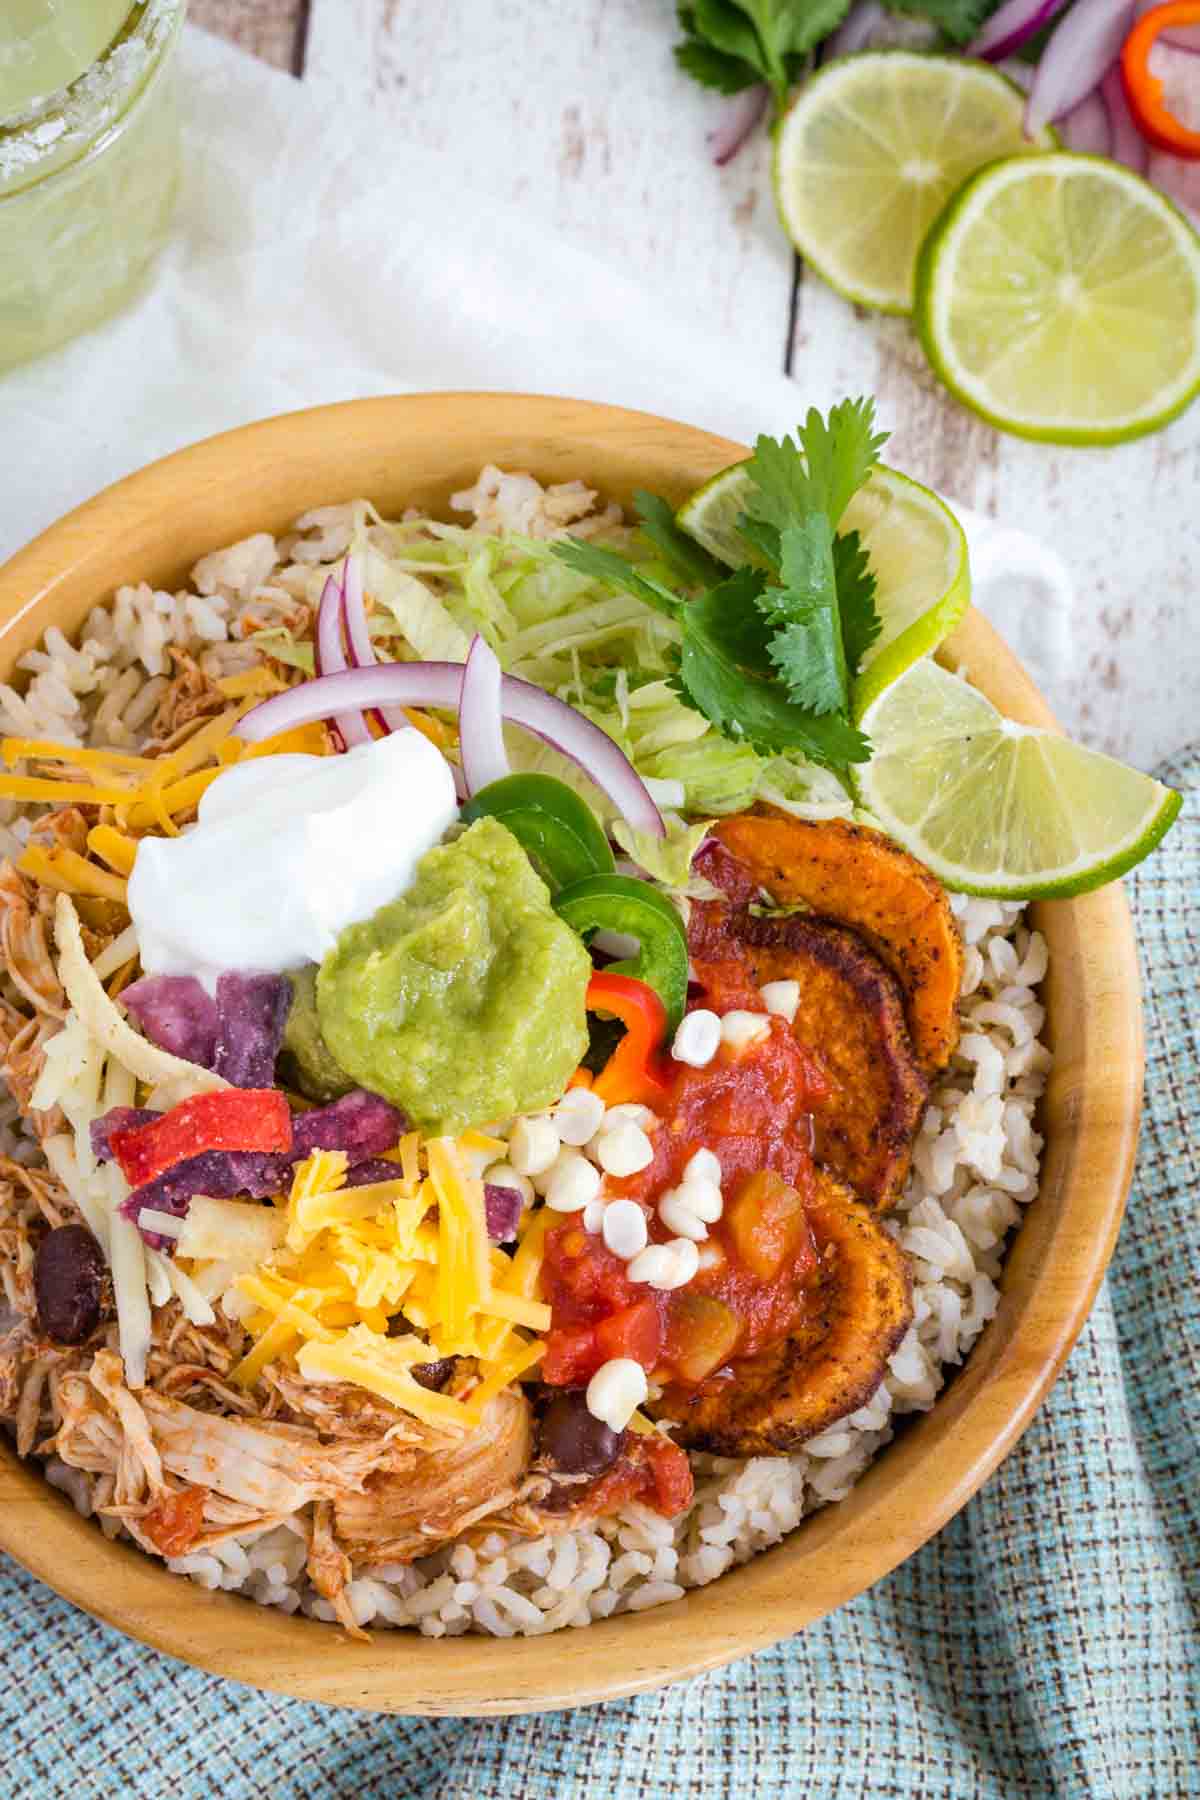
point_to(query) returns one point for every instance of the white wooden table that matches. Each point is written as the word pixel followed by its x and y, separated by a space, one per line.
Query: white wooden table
pixel 580 102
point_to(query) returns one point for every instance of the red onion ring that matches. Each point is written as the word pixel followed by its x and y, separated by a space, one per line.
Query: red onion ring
pixel 1127 145
pixel 1077 58
pixel 480 720
pixel 330 659
pixel 858 28
pixel 1087 128
pixel 358 638
pixel 440 684
pixel 1013 25
pixel 741 114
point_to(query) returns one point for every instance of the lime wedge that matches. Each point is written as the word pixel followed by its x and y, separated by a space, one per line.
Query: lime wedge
pixel 1059 297
pixel 870 152
pixel 916 549
pixel 993 807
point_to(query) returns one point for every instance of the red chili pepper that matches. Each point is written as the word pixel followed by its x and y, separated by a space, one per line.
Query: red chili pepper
pixel 1144 90
pixel 232 1119
pixel 632 1072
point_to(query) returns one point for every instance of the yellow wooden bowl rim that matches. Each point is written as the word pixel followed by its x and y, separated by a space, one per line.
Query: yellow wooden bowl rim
pixel 416 450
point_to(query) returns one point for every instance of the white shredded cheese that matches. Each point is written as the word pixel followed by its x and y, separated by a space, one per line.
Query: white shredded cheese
pixel 100 1017
pixel 128 1261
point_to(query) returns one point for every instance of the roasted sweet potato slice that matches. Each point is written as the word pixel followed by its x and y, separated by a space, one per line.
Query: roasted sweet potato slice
pixel 859 877
pixel 860 1306
pixel 851 1017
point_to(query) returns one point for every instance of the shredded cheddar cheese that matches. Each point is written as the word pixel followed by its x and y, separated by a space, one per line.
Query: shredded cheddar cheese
pixel 353 1261
pixel 69 873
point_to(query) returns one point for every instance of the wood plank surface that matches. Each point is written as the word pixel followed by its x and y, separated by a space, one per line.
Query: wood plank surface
pixel 580 105
pixel 272 30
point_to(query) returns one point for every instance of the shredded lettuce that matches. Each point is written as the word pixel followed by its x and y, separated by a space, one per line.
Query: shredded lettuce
pixel 278 642
pixel 667 860
pixel 421 618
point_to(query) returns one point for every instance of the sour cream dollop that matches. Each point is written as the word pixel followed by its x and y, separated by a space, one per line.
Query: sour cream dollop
pixel 286 851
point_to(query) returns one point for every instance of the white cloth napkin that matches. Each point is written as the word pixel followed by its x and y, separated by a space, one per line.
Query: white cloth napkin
pixel 313 260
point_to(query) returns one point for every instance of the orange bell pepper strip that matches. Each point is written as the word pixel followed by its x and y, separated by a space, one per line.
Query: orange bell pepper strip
pixel 633 1072
pixel 1144 90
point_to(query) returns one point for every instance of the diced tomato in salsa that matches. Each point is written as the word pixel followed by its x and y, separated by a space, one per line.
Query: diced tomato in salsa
pixel 650 1468
pixel 174 1521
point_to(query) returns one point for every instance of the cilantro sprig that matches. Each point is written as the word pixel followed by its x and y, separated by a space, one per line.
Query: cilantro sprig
pixel 769 652
pixel 734 44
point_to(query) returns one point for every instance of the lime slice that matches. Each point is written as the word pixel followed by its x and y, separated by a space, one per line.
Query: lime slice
pixel 873 148
pixel 915 546
pixel 993 807
pixel 1060 298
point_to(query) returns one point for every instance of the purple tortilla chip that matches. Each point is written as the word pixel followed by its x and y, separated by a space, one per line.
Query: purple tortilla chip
pixel 176 1014
pixel 375 1168
pixel 252 1011
pixel 502 1207
pixel 221 1173
pixel 359 1123
pixel 117 1118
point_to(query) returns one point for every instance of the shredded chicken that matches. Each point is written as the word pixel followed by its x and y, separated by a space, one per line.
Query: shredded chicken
pixel 329 1568
pixel 338 1410
pixel 189 696
pixel 24 945
pixel 404 1514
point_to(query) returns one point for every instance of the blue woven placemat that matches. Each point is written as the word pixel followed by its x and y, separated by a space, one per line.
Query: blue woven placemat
pixel 1045 1644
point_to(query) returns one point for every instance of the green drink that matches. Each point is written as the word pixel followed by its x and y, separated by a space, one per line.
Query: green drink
pixel 45 45
pixel 87 184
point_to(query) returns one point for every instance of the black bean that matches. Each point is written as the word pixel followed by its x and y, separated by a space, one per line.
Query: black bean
pixel 433 1375
pixel 573 1440
pixel 68 1280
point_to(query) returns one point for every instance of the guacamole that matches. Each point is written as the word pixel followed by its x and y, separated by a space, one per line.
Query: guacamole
pixel 304 1060
pixel 462 1001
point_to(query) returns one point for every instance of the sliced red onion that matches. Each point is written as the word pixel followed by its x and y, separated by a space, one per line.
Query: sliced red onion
pixel 857 30
pixel 1013 25
pixel 440 684
pixel 358 638
pixel 1126 143
pixel 1021 73
pixel 742 113
pixel 1077 58
pixel 480 720
pixel 331 659
pixel 1087 128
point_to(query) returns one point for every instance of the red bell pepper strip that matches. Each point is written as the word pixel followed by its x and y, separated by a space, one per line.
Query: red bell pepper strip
pixel 231 1119
pixel 1144 90
pixel 633 1072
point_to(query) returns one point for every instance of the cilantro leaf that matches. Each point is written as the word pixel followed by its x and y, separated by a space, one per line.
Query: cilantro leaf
pixel 788 29
pixel 855 580
pixel 682 553
pixel 610 566
pixel 823 472
pixel 732 43
pixel 768 654
pixel 959 19
pixel 756 711
pixel 713 69
pixel 807 650
pixel 724 25
pixel 761 537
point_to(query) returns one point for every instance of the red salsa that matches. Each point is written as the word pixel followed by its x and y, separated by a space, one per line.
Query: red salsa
pixel 753 1111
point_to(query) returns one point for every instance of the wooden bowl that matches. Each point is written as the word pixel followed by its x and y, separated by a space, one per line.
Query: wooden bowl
pixel 418 450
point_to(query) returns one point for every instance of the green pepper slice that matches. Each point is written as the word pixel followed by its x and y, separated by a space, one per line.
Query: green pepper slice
pixel 558 831
pixel 634 908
